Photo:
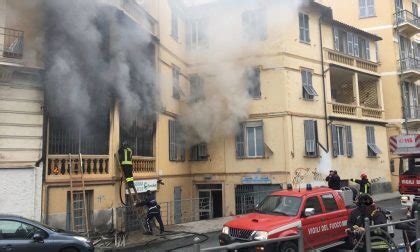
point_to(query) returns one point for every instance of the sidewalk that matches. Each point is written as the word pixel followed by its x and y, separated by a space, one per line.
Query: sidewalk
pixel 184 230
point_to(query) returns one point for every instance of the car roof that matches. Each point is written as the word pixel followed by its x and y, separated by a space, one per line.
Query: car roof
pixel 12 216
pixel 302 192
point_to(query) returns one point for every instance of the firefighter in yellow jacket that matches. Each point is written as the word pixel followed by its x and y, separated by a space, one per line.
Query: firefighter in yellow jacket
pixel 125 154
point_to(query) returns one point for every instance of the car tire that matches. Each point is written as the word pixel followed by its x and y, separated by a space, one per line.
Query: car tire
pixel 288 247
pixel 71 249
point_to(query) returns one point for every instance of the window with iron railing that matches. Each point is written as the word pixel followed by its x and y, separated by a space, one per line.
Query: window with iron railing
pixel 12 45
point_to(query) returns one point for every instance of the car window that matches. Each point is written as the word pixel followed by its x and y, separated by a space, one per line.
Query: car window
pixel 313 202
pixel 329 203
pixel 15 230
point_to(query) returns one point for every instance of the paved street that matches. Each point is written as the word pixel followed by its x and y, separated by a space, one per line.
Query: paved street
pixel 211 239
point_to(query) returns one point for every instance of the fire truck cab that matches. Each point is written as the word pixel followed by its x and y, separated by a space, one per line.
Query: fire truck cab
pixel 322 213
pixel 407 147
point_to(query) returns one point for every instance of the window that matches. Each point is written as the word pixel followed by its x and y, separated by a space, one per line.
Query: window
pixel 329 203
pixel 308 89
pixel 342 140
pixel 79 210
pixel 197 33
pixel 198 152
pixel 174 25
pixel 351 44
pixel 304 28
pixel 366 8
pixel 373 149
pixel 415 9
pixel 250 140
pixel 176 142
pixel 176 88
pixel 253 82
pixel 196 88
pixel 313 202
pixel 311 138
pixel 254 25
pixel 15 230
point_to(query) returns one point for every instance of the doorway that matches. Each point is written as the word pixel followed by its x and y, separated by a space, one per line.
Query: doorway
pixel 210 201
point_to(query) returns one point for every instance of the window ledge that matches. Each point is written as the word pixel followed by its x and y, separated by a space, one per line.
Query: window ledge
pixel 309 100
pixel 373 157
pixel 177 161
pixel 365 17
pixel 317 156
pixel 198 160
pixel 256 98
pixel 305 42
pixel 250 158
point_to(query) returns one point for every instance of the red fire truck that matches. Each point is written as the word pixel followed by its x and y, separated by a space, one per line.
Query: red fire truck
pixel 407 147
pixel 322 213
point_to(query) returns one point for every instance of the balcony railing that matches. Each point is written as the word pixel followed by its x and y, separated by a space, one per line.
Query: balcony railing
pixel 59 165
pixel 413 112
pixel 410 64
pixel 343 109
pixel 349 60
pixel 12 46
pixel 405 16
pixel 372 113
pixel 144 164
pixel 356 112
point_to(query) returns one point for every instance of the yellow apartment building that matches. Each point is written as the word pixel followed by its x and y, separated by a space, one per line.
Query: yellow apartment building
pixel 21 113
pixel 396 21
pixel 231 101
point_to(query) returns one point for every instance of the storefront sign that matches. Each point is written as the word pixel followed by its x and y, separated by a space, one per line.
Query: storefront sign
pixel 145 185
pixel 256 180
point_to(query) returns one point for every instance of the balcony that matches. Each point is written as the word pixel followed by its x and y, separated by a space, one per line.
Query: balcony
pixel 12 46
pixel 94 167
pixel 410 69
pixel 413 116
pixel 141 16
pixel 354 95
pixel 350 61
pixel 407 23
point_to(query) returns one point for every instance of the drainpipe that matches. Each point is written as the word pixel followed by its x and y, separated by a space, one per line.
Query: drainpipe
pixel 323 84
pixel 402 83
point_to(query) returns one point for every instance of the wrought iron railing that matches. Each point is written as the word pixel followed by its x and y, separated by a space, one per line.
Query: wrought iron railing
pixel 412 112
pixel 410 64
pixel 12 46
pixel 404 16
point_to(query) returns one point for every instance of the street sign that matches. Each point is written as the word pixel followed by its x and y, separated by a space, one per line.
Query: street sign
pixel 256 180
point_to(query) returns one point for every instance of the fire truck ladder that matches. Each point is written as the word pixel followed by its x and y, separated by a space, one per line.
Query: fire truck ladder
pixel 132 192
pixel 78 168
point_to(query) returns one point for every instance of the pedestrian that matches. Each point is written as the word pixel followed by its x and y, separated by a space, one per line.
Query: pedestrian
pixel 333 180
pixel 153 211
pixel 125 155
pixel 363 183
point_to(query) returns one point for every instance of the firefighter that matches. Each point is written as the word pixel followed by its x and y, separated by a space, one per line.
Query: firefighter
pixel 356 223
pixel 333 180
pixel 363 183
pixel 153 211
pixel 409 228
pixel 125 154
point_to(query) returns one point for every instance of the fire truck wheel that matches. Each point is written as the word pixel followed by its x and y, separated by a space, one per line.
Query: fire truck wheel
pixel 288 247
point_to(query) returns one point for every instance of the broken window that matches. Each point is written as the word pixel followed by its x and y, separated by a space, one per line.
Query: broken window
pixel 176 88
pixel 307 87
pixel 198 152
pixel 254 25
pixel 176 142
pixel 304 28
pixel 373 149
pixel 342 140
pixel 196 88
pixel 311 138
pixel 197 33
pixel 250 140
pixel 90 138
pixel 253 82
pixel 366 8
pixel 138 130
